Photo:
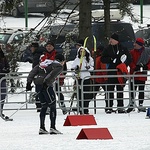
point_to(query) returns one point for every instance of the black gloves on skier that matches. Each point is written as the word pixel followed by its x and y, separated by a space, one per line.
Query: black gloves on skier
pixel 28 87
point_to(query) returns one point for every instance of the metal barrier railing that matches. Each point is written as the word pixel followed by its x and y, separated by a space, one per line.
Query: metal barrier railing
pixel 20 97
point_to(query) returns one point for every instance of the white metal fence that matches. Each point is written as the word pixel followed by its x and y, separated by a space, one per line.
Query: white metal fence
pixel 18 98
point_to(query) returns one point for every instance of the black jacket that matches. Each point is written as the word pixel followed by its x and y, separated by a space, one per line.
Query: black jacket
pixel 115 52
pixel 36 56
pixel 47 75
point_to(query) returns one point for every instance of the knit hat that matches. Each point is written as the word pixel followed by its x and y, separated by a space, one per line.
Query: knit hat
pixel 140 41
pixel 59 57
pixel 80 42
pixel 34 44
pixel 50 42
pixel 115 36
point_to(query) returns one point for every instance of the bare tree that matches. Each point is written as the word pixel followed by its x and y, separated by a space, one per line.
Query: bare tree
pixel 85 20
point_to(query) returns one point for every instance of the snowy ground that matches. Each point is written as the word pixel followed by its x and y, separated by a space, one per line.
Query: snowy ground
pixel 129 131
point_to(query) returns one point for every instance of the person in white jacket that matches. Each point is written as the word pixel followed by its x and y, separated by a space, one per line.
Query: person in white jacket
pixel 82 65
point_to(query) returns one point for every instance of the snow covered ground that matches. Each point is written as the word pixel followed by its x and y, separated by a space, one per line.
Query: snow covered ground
pixel 129 131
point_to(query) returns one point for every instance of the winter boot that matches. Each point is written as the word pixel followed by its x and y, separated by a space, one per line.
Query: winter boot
pixel 121 110
pixel 43 131
pixel 141 108
pixel 54 131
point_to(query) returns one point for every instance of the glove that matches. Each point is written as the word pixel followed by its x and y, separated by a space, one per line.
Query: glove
pixel 77 70
pixel 145 67
pixel 45 85
pixel 137 68
pixel 87 67
pixel 28 87
pixel 123 58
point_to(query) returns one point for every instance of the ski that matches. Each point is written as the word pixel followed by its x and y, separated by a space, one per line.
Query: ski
pixel 82 55
pixel 94 44
pixel 6 118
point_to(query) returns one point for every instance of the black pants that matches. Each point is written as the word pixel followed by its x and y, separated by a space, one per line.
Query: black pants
pixel 111 85
pixel 140 85
pixel 37 90
pixel 86 96
pixel 3 94
pixel 96 89
pixel 48 99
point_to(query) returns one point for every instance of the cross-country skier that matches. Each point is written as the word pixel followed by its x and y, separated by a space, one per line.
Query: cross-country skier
pixel 45 74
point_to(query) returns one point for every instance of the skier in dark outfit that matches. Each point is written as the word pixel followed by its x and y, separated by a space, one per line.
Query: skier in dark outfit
pixel 44 75
pixel 4 68
pixel 113 55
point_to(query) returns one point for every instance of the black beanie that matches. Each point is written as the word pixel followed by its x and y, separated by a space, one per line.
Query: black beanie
pixel 115 36
pixel 59 57
pixel 34 44
pixel 50 42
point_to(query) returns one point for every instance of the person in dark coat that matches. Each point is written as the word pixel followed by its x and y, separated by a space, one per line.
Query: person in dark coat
pixel 36 54
pixel 4 68
pixel 44 75
pixel 114 55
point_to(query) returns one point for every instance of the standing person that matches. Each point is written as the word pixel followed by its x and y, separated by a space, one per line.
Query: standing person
pixel 59 82
pixel 4 68
pixel 139 65
pixel 51 54
pixel 36 53
pixel 113 56
pixel 101 81
pixel 45 74
pixel 83 70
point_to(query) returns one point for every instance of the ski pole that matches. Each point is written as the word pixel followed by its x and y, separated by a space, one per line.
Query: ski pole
pixel 18 109
pixel 21 107
pixel 94 41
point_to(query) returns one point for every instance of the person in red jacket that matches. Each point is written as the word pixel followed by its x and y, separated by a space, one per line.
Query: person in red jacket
pixel 50 51
pixel 101 81
pixel 140 63
pixel 53 55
